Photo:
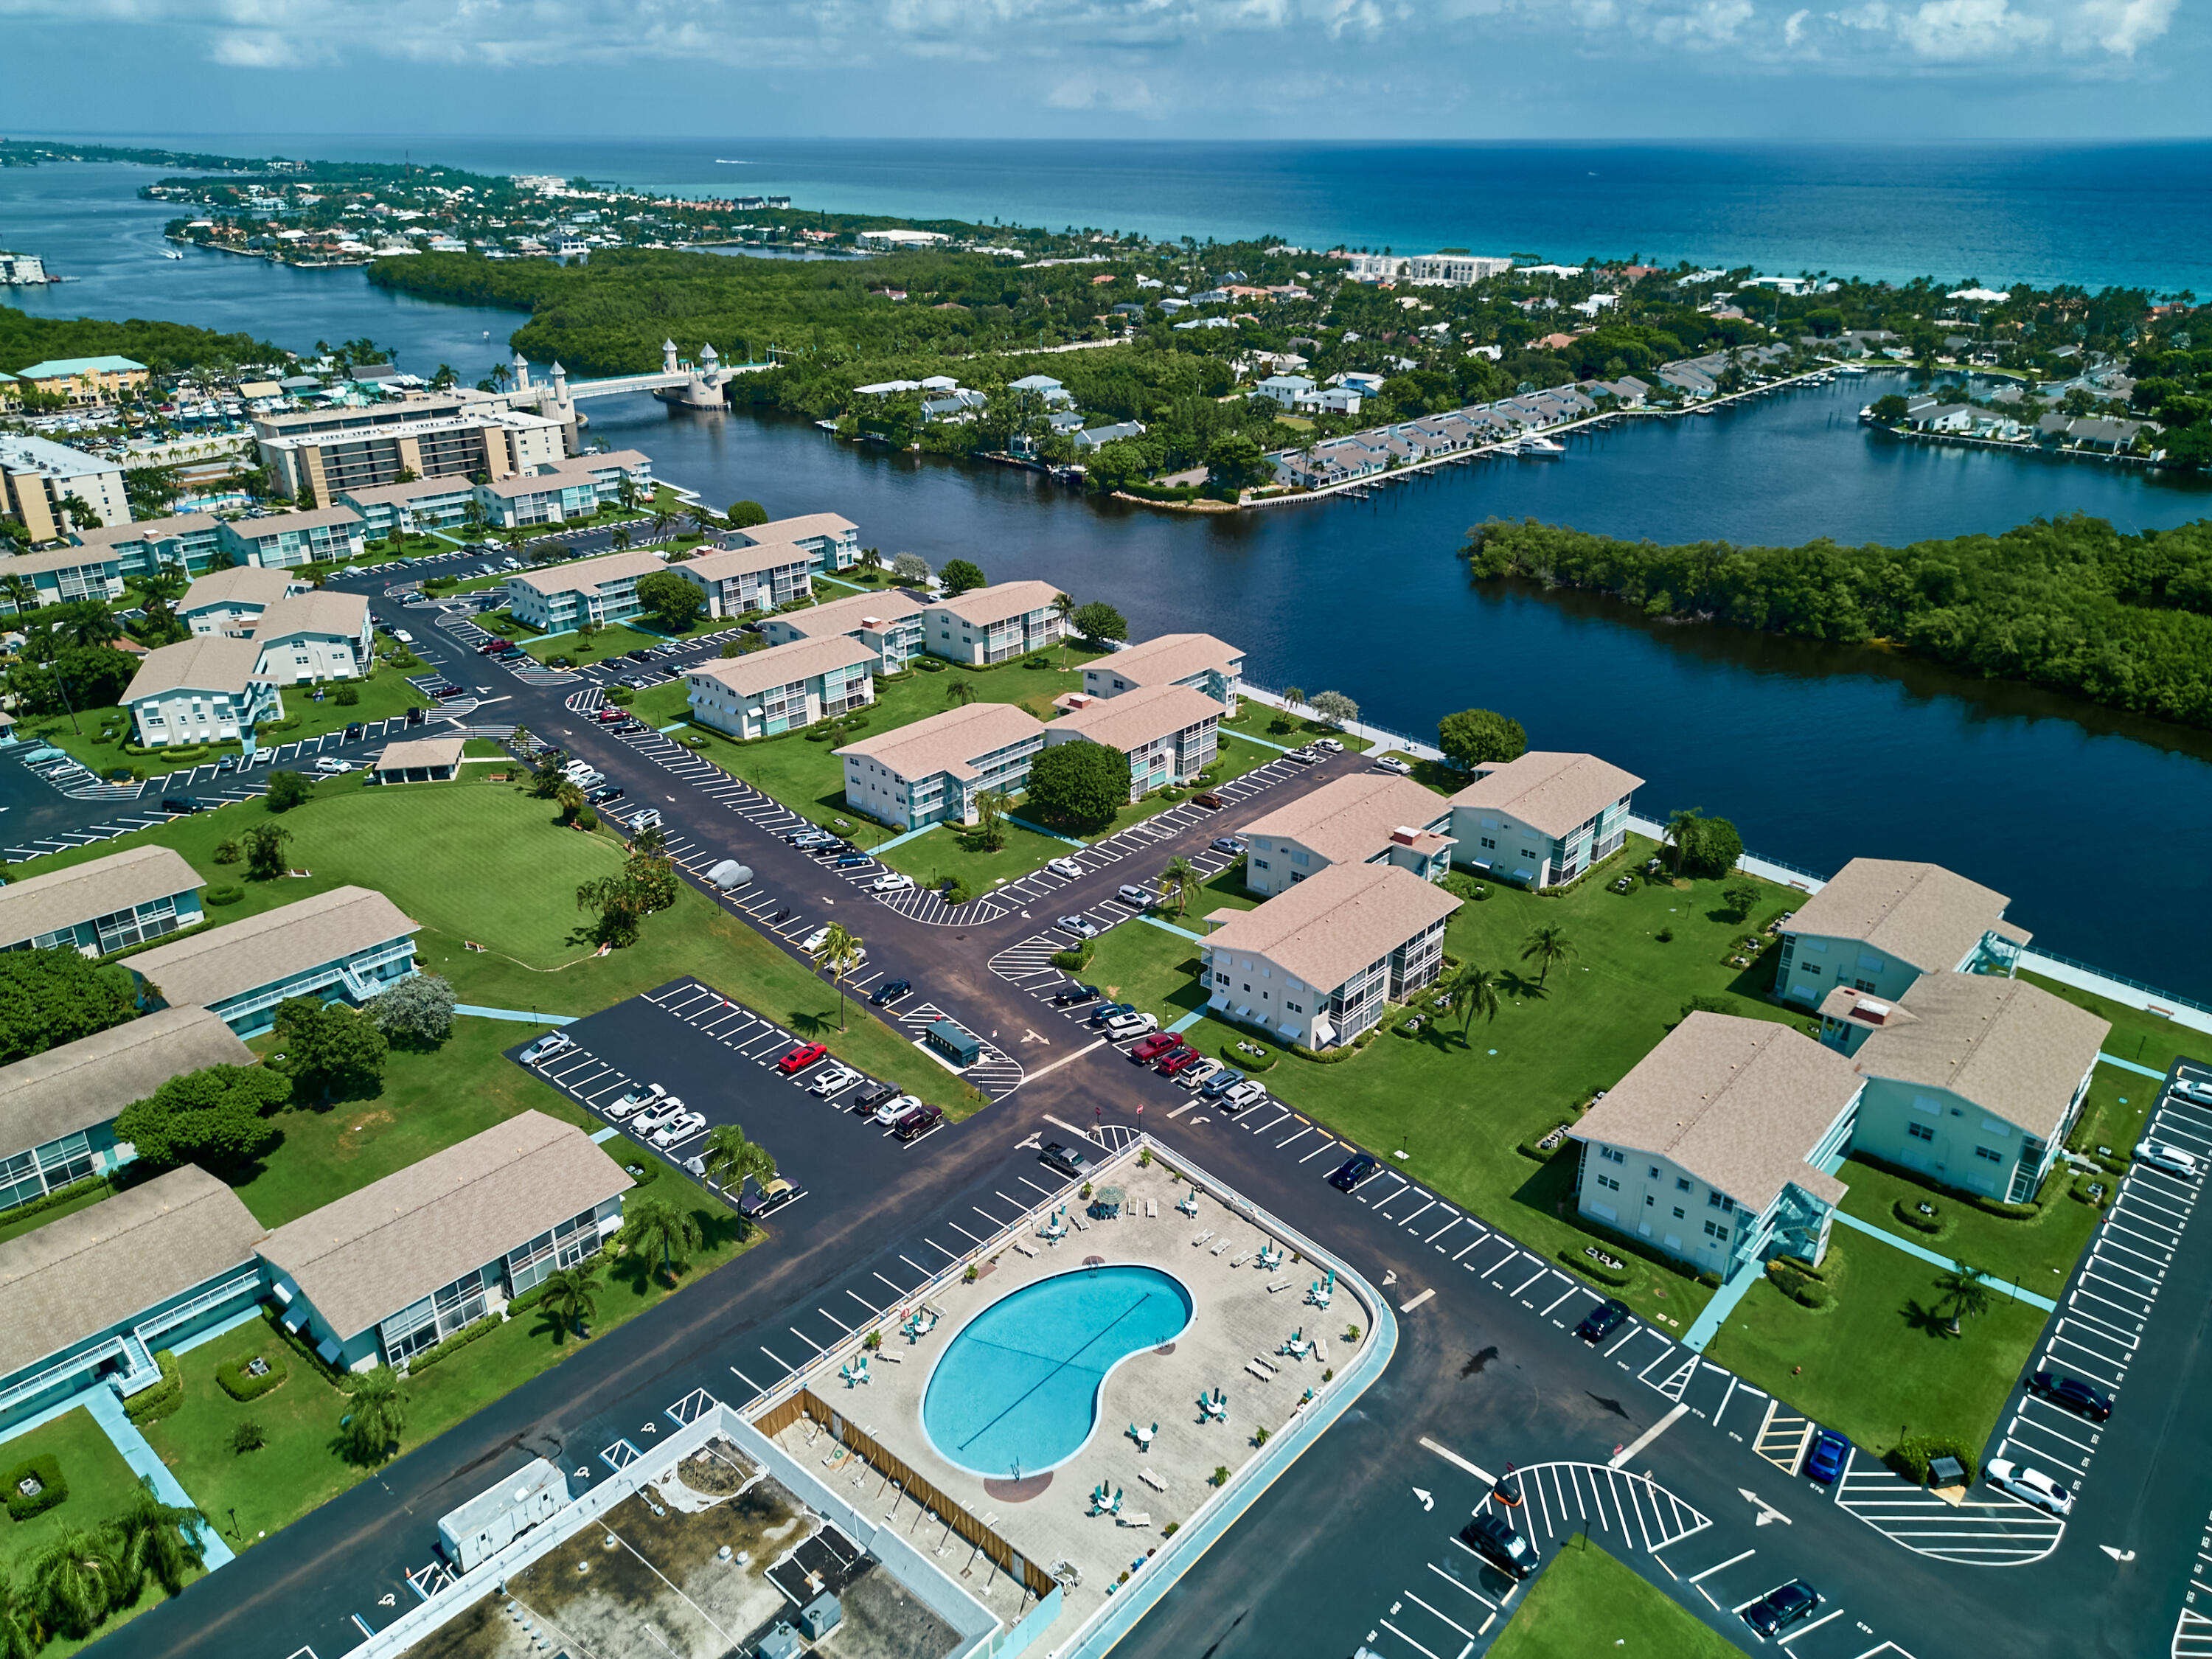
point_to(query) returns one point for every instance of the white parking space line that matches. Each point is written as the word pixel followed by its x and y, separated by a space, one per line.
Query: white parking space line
pixel 1718 1566
pixel 1806 1630
pixel 1458 1584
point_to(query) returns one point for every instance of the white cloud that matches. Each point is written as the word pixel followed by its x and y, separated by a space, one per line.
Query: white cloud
pixel 1124 92
pixel 1955 31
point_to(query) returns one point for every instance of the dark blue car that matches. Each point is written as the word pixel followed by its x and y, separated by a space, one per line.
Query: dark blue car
pixel 1825 1460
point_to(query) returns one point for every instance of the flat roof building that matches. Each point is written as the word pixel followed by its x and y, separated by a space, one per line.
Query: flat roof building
pixel 1356 819
pixel 1879 924
pixel 331 452
pixel 933 770
pixel 1198 660
pixel 1169 734
pixel 385 1272
pixel 103 905
pixel 1542 819
pixel 1318 964
pixel 349 943
pixel 57 1108
pixel 784 688
pixel 98 380
pixel 993 625
pixel 889 624
pixel 37 475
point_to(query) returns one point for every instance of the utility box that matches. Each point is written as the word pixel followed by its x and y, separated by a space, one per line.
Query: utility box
pixel 958 1046
pixel 492 1520
pixel 782 1642
pixel 821 1616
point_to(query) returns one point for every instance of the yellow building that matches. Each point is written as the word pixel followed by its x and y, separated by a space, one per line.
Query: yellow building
pixel 84 380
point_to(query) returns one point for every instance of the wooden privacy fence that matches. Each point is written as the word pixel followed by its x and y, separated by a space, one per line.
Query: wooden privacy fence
pixel 806 1403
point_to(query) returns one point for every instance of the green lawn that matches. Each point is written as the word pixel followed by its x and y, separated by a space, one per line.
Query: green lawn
pixel 100 1483
pixel 608 642
pixel 1266 722
pixel 1150 967
pixel 663 705
pixel 948 850
pixel 1586 1603
pixel 2034 1255
pixel 1878 1365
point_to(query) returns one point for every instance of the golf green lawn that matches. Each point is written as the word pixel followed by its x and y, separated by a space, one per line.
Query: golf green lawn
pixel 1585 1604
pixel 1880 1363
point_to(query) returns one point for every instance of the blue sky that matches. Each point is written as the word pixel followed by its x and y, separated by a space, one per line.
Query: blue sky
pixel 1284 68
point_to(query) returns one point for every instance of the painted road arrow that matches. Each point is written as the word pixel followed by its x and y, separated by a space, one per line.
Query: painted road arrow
pixel 1767 1512
pixel 1427 1502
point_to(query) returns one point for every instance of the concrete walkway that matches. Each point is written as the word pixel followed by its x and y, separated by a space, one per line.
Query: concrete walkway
pixel 1707 1325
pixel 1038 828
pixel 602 1136
pixel 1244 737
pixel 515 1013
pixel 1187 1021
pixel 1170 926
pixel 1910 1248
pixel 2130 1066
pixel 108 1411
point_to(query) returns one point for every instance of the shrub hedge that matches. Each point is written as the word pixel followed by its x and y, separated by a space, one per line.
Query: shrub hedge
pixel 46 1470
pixel 223 895
pixel 1911 1457
pixel 456 1341
pixel 1074 962
pixel 163 1398
pixel 1909 1213
pixel 240 1384
pixel 1616 1277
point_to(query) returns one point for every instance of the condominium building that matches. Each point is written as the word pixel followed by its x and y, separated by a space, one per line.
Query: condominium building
pixel 331 451
pixel 103 905
pixel 993 625
pixel 186 542
pixel 315 637
pixel 1168 733
pixel 38 479
pixel 1879 924
pixel 209 688
pixel 85 379
pixel 1318 965
pixel 1542 819
pixel 739 580
pixel 1720 1146
pixel 596 591
pixel 889 624
pixel 1197 660
pixel 61 576
pixel 231 601
pixel 783 688
pixel 347 943
pixel 834 541
pixel 934 770
pixel 418 504
pixel 321 535
pixel 1367 817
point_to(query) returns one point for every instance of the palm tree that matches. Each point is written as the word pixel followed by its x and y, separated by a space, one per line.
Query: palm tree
pixel 992 806
pixel 1545 947
pixel 1065 606
pixel 1682 829
pixel 838 954
pixel 872 559
pixel 157 1540
pixel 1178 882
pixel 1963 1290
pixel 961 691
pixel 1294 697
pixel 620 538
pixel 18 1617
pixel 20 593
pixel 567 1297
pixel 1473 991
pixel 728 1157
pixel 654 1224
pixel 74 1581
pixel 570 799
pixel 378 1414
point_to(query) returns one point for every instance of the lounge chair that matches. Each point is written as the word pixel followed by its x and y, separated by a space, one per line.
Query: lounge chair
pixel 1141 1518
pixel 1221 1248
pixel 1151 1481
pixel 1201 1238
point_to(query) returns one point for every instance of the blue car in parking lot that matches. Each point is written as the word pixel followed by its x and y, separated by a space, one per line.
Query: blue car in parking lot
pixel 1825 1460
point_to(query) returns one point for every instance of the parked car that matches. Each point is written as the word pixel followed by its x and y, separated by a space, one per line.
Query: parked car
pixel 488 647
pixel 2073 1393
pixel 1154 1046
pixel 1064 1159
pixel 1107 1013
pixel 890 990
pixel 1081 926
pixel 918 1122
pixel 1125 1026
pixel 678 1129
pixel 1138 898
pixel 774 1194
pixel 1353 1171
pixel 184 804
pixel 892 881
pixel 836 1080
pixel 1250 1092
pixel 605 792
pixel 1198 1073
pixel 2171 1159
pixel 1602 1321
pixel 1073 996
pixel 2198 1090
pixel 667 1109
pixel 552 1043
pixel 1392 764
pixel 800 1058
pixel 1824 1462
pixel 1781 1606
pixel 650 1094
pixel 1302 756
pixel 415 717
pixel 1329 745
pixel 353 731
pixel 2030 1485
pixel 1491 1536
pixel 643 654
pixel 610 716
pixel 872 1097
pixel 851 861
pixel 1068 867
pixel 1177 1060
pixel 331 764
pixel 1232 845
pixel 1208 800
pixel 895 1107
pixel 1221 1082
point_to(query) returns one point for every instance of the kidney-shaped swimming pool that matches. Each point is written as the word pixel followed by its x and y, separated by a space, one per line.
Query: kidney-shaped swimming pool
pixel 1016 1391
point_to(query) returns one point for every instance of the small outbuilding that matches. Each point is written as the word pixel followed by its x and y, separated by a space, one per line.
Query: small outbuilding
pixel 490 1521
pixel 419 760
pixel 963 1049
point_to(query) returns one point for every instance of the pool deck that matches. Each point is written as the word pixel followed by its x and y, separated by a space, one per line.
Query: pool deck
pixel 1242 1314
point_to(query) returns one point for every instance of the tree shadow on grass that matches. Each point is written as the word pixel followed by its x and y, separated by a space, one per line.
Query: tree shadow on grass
pixel 815 1027
pixel 1927 1321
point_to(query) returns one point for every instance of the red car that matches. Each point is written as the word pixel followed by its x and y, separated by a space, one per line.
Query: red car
pixel 800 1058
pixel 609 716
pixel 1151 1047
pixel 1176 1059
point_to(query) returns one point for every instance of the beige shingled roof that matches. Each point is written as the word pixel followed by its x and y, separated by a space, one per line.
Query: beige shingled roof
pixel 1737 1103
pixel 243 584
pixel 62 898
pixel 1332 924
pixel 1140 717
pixel 720 563
pixel 421 751
pixel 205 662
pixel 65 558
pixel 947 742
pixel 1548 790
pixel 845 616
pixel 318 612
pixel 781 665
pixel 1168 658
pixel 2010 1047
pixel 146 529
pixel 74 1278
pixel 806 524
pixel 1921 914
pixel 984 605
pixel 261 950
pixel 88 1081
pixel 1351 817
pixel 590 572
pixel 313 518
pixel 366 1256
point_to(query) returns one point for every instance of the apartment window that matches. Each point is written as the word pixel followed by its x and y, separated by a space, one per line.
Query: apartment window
pixel 1719 1201
pixel 1678 1212
pixel 1991 1153
pixel 1919 1132
pixel 1488 843
pixel 1260 864
pixel 1715 1231
pixel 1652 1172
pixel 1613 1154
pixel 1682 1183
pixel 1608 1183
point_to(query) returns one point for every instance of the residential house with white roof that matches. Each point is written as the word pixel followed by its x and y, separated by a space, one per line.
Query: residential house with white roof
pixel 933 770
pixel 1880 924
pixel 596 591
pixel 1542 819
pixel 784 688
pixel 750 577
pixel 1722 1145
pixel 1365 817
pixel 1198 660
pixel 1169 734
pixel 1286 389
pixel 1319 965
pixel 993 625
pixel 888 624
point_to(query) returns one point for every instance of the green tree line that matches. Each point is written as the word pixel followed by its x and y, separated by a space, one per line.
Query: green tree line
pixel 2070 604
pixel 165 347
